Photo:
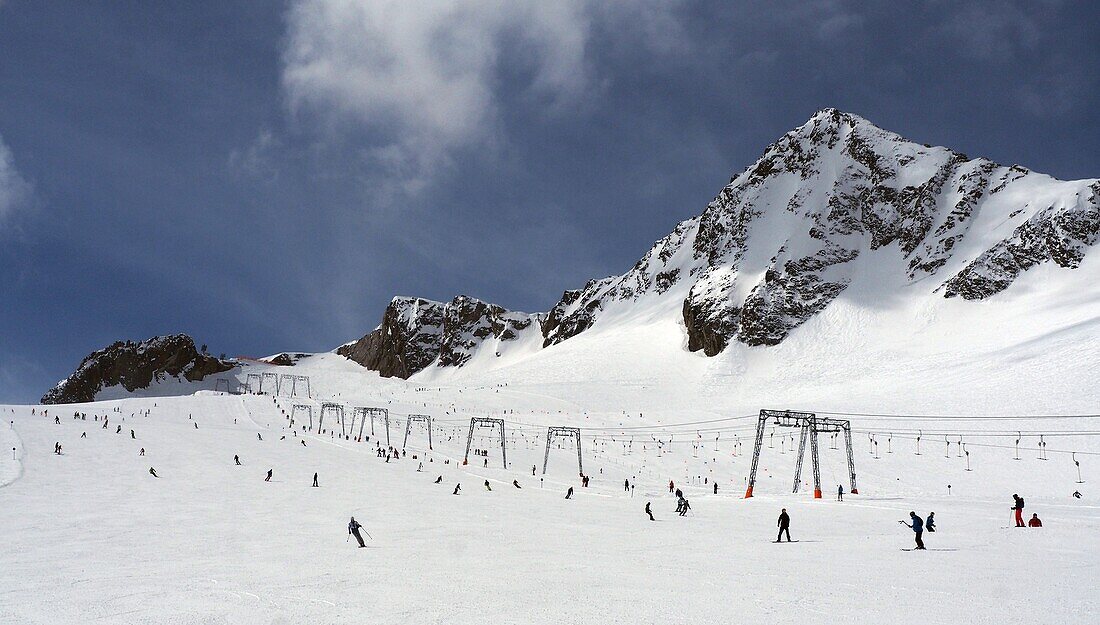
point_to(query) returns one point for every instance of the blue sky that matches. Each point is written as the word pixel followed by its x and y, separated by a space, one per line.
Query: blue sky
pixel 267 175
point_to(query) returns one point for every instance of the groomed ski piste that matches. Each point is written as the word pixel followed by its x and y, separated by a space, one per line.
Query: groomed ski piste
pixel 91 537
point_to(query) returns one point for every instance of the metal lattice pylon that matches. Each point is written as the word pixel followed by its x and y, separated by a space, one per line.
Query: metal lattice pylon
pixel 252 387
pixel 810 425
pixel 294 411
pixel 494 423
pixel 419 418
pixel 219 383
pixel 371 413
pixel 563 432
pixel 337 410
pixel 269 375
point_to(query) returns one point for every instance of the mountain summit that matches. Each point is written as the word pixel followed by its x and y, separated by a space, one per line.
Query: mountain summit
pixel 780 242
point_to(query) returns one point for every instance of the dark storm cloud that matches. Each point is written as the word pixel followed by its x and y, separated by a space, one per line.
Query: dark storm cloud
pixel 267 176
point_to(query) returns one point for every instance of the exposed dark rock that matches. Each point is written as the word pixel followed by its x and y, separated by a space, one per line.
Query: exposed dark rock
pixel 135 366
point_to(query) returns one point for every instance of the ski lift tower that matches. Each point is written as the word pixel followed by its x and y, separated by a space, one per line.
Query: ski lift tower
pixel 371 413
pixel 306 407
pixel 419 418
pixel 563 432
pixel 486 422
pixel 337 410
pixel 810 425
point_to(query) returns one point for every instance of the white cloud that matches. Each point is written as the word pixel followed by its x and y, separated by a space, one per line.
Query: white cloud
pixel 427 78
pixel 14 190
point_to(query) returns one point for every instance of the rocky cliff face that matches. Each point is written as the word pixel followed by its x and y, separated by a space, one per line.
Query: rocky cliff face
pixel 135 366
pixel 416 333
pixel 783 240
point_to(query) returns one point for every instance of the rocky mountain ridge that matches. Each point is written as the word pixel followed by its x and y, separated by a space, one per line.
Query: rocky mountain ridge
pixel 780 242
pixel 135 365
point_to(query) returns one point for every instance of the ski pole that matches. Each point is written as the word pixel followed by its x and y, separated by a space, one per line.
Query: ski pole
pixel 368 534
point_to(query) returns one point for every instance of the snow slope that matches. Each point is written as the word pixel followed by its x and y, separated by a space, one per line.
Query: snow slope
pixel 90 536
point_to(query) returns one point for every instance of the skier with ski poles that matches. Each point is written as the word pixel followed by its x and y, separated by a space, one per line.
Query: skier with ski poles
pixel 917 526
pixel 649 511
pixel 353 530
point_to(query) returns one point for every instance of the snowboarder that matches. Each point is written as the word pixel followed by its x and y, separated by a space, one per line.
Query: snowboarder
pixel 684 509
pixel 1076 494
pixel 649 511
pixel 487 487
pixel 153 472
pixel 1018 506
pixel 1034 522
pixel 458 487
pixel 439 480
pixel 569 493
pixel 516 484
pixel 840 492
pixel 268 478
pixel 236 460
pixel 917 526
pixel 315 484
pixel 784 524
pixel 353 529
pixel 930 523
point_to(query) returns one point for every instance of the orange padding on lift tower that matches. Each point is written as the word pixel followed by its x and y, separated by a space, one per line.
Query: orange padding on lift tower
pixel 817 493
pixel 748 492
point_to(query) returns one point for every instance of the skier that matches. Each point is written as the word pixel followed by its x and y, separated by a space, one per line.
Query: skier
pixel 57 448
pixel 649 511
pixel 532 469
pixel 917 526
pixel 671 486
pixel 303 442
pixel 196 425
pixel 268 478
pixel 784 524
pixel 439 480
pixel 257 433
pixel 315 484
pixel 516 484
pixel 84 435
pixel 420 468
pixel 57 420
pixel 716 488
pixel 153 472
pixel 132 435
pixel 840 492
pixel 626 485
pixel 119 430
pixel 237 460
pixel 141 452
pixel 1076 494
pixel 930 524
pixel 679 494
pixel 1034 522
pixel 353 529
pixel 458 487
pixel 1018 506
pixel 684 509
pixel 569 493
pixel 487 487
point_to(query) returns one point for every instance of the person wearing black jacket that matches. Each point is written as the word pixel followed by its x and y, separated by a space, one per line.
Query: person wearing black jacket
pixel 1018 506
pixel 353 529
pixel 784 524
pixel 649 511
